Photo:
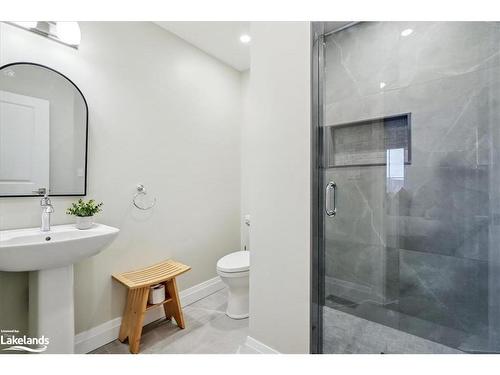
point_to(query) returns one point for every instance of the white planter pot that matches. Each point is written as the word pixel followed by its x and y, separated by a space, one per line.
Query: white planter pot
pixel 84 222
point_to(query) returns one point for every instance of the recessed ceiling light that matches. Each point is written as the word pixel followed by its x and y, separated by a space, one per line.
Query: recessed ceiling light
pixel 382 85
pixel 406 32
pixel 245 38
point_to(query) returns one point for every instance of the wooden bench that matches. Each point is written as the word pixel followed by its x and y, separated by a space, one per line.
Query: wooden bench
pixel 138 284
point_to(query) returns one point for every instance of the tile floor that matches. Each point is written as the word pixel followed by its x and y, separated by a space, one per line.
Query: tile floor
pixel 345 333
pixel 208 331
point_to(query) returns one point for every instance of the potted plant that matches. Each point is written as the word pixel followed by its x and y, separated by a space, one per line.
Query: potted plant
pixel 84 212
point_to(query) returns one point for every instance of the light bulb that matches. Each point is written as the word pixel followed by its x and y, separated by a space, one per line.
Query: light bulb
pixel 69 32
pixel 406 32
pixel 245 38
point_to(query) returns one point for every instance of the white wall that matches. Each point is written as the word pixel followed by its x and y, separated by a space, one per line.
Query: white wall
pixel 278 155
pixel 162 113
pixel 245 170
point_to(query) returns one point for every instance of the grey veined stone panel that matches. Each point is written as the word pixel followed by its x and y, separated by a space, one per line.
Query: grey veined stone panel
pixel 360 58
pixel 345 333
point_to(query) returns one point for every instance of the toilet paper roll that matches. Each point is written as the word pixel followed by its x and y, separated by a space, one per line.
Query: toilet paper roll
pixel 156 294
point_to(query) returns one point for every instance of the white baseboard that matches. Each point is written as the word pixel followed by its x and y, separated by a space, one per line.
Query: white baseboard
pixel 104 333
pixel 201 290
pixel 259 346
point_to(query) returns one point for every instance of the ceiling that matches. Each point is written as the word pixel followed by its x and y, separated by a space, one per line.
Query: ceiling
pixel 219 39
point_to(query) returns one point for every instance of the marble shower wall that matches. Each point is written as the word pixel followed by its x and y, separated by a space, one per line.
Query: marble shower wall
pixel 428 249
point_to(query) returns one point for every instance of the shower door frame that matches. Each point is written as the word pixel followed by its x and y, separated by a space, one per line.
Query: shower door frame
pixel 317 235
pixel 317 270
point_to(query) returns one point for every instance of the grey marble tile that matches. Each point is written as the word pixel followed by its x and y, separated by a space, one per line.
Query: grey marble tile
pixel 215 302
pixel 359 58
pixel 220 335
pixel 244 349
pixel 447 290
pixel 208 331
pixel 346 333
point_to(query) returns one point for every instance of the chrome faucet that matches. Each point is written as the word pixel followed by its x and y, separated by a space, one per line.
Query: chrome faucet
pixel 47 209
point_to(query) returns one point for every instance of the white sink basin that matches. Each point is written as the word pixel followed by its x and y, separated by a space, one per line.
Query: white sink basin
pixel 33 250
pixel 49 256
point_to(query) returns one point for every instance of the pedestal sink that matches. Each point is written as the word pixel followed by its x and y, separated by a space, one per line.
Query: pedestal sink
pixel 49 258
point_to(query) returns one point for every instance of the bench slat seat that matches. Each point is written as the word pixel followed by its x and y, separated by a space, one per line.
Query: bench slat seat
pixel 152 275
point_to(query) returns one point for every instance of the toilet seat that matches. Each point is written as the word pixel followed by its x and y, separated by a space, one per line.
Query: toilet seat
pixel 233 274
pixel 237 262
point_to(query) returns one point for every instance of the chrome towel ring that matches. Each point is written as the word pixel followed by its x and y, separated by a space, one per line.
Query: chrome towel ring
pixel 141 190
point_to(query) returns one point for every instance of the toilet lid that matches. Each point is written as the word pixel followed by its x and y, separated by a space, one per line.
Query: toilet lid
pixel 235 262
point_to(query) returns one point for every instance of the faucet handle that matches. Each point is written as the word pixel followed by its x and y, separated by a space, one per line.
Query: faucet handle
pixel 45 201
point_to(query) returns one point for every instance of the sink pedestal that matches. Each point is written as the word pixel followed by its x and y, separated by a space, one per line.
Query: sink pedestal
pixel 49 258
pixel 51 308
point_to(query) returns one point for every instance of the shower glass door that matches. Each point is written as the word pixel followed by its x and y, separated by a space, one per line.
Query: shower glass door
pixel 409 188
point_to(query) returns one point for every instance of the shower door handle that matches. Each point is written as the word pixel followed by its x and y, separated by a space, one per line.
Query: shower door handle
pixel 331 186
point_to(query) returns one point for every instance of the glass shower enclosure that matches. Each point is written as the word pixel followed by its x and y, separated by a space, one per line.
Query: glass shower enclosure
pixel 406 181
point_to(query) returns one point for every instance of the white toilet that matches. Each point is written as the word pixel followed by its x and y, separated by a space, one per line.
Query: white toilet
pixel 234 270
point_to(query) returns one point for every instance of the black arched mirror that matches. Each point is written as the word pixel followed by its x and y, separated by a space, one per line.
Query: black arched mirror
pixel 43 132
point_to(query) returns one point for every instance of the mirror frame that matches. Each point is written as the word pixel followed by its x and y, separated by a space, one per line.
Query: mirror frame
pixel 86 130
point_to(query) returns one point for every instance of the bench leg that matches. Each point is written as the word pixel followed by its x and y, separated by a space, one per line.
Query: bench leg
pixel 133 318
pixel 125 325
pixel 173 308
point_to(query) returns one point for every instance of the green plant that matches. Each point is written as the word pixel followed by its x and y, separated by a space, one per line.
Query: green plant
pixel 83 209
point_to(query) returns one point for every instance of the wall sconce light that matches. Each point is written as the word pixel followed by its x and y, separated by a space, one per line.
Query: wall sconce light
pixel 67 33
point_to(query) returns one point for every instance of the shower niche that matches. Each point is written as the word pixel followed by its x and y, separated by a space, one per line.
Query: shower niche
pixel 368 142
